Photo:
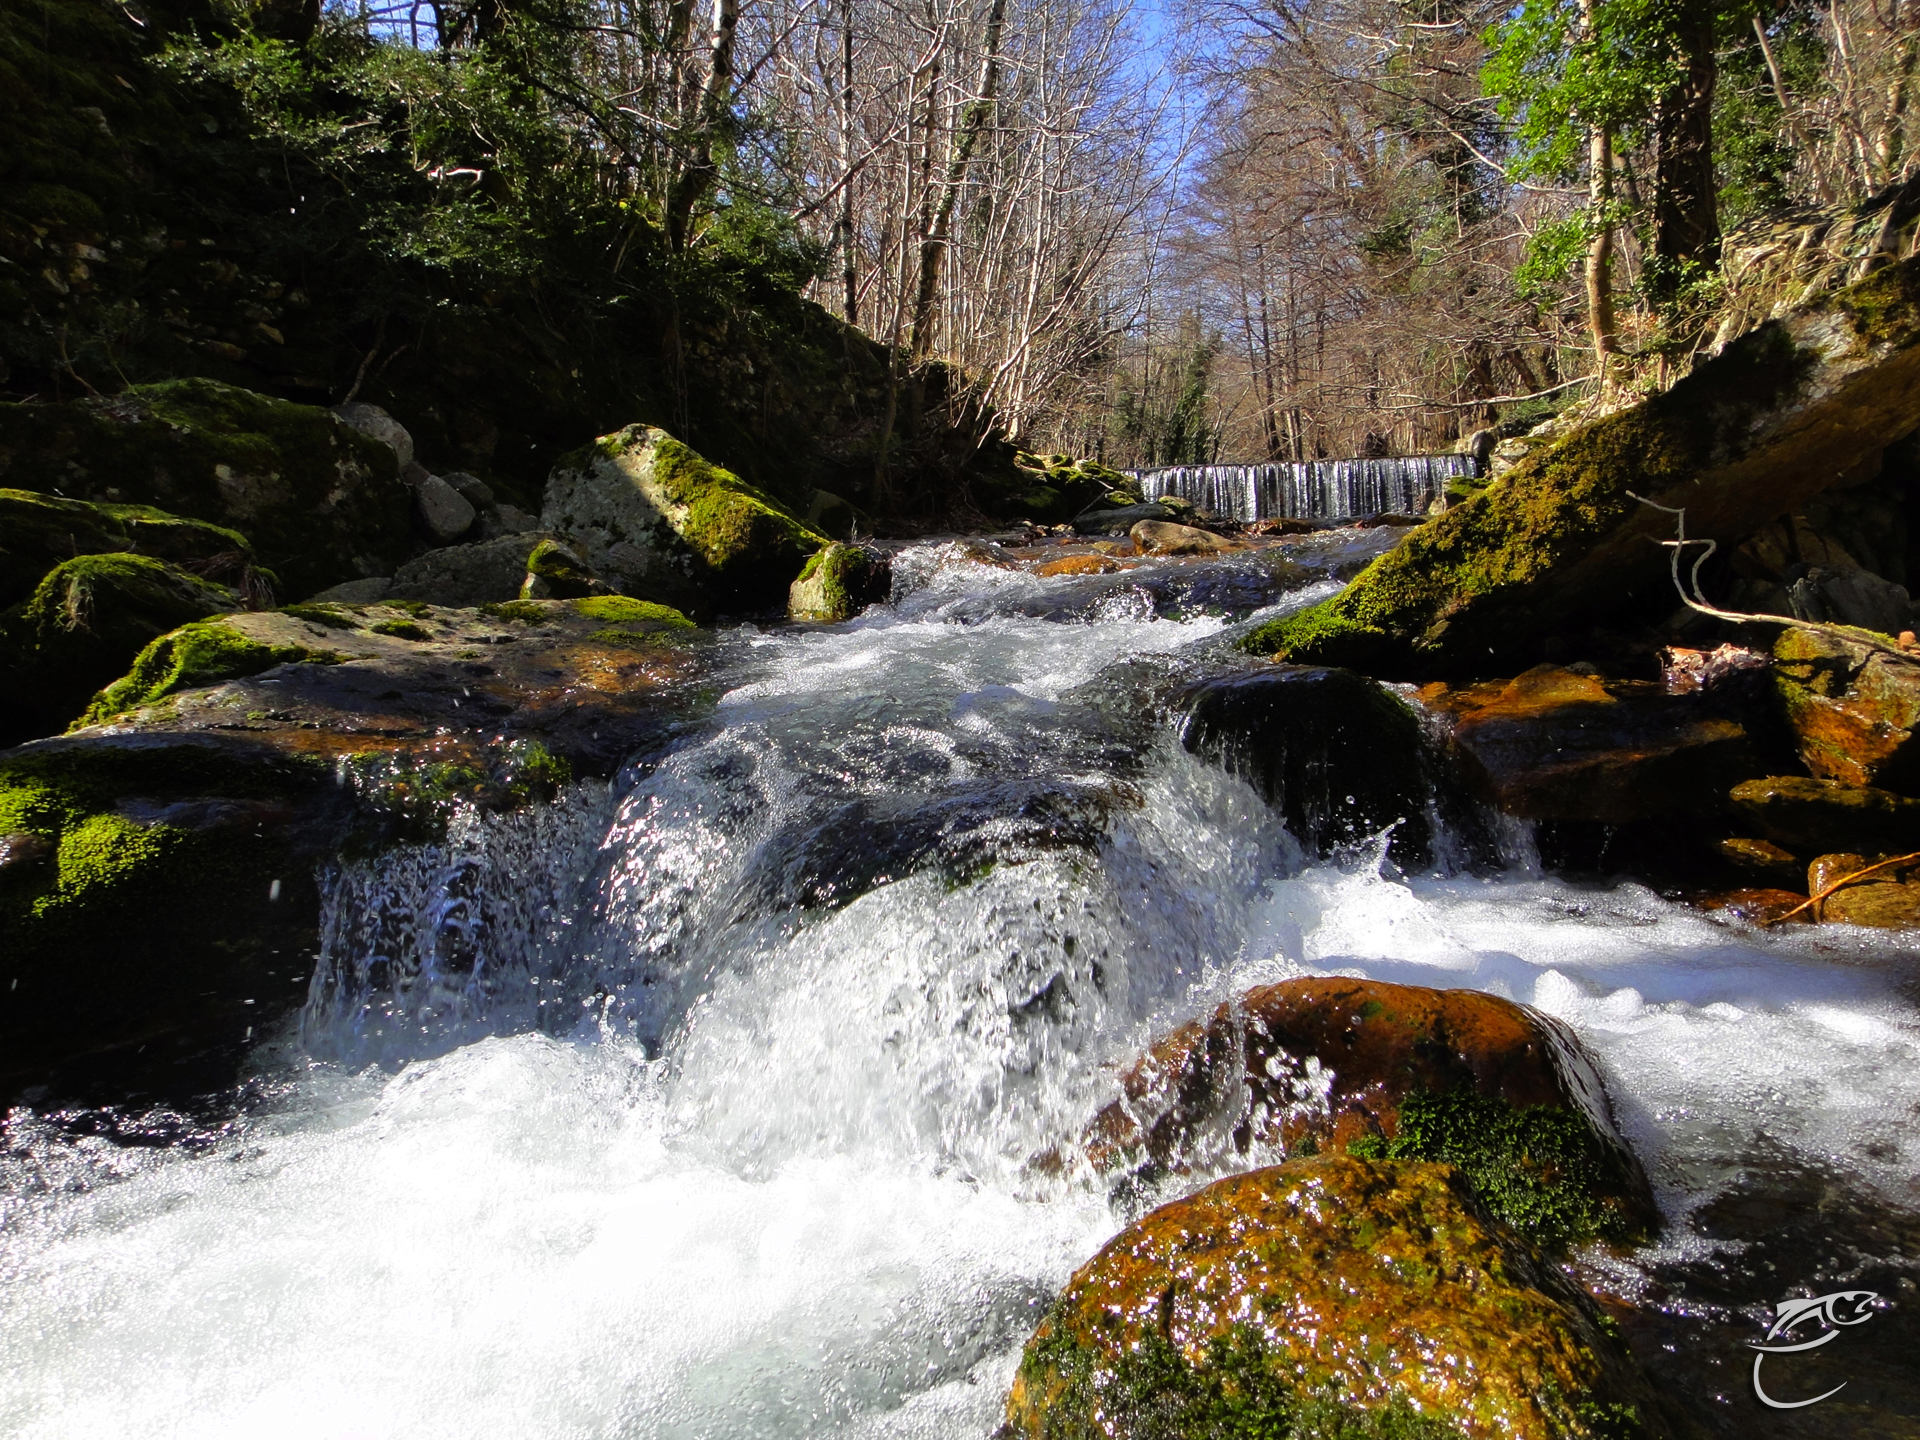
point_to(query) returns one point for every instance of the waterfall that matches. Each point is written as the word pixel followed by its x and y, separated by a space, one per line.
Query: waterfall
pixel 1309 489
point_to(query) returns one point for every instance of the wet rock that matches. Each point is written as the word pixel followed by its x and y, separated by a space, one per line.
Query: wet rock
pixel 485 572
pixel 1157 537
pixel 1558 744
pixel 556 571
pixel 1341 758
pixel 22 848
pixel 656 519
pixel 1685 672
pixel 38 532
pixel 1854 707
pixel 1758 905
pixel 320 502
pixel 442 511
pixel 1818 816
pixel 82 627
pixel 1079 565
pixel 1325 1296
pixel 1786 411
pixel 838 582
pixel 1881 905
pixel 1501 1091
pixel 377 424
pixel 1120 521
pixel 1762 858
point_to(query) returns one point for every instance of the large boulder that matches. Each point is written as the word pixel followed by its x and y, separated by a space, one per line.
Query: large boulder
pixel 1327 1296
pixel 1853 703
pixel 156 876
pixel 1561 541
pixel 657 520
pixel 320 501
pixel 1559 744
pixel 1811 817
pixel 485 572
pixel 38 532
pixel 1501 1091
pixel 81 628
pixel 1339 756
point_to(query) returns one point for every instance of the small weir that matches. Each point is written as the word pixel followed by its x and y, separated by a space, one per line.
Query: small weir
pixel 1310 489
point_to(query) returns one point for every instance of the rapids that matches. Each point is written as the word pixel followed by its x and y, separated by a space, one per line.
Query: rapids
pixel 727 1100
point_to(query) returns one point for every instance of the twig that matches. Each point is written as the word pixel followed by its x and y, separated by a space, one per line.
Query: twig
pixel 1698 600
pixel 1818 898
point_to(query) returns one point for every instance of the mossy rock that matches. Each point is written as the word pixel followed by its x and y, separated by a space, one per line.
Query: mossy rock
pixel 658 520
pixel 174 911
pixel 1390 1071
pixel 1332 1296
pixel 838 583
pixel 555 572
pixel 1050 489
pixel 1853 706
pixel 320 502
pixel 39 531
pixel 80 629
pixel 195 655
pixel 1562 539
pixel 1813 817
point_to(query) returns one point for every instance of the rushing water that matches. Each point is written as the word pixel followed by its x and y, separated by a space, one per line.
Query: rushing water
pixel 706 1104
pixel 1310 489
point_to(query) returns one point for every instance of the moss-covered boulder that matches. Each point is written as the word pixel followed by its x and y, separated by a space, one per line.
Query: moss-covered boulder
pixel 1561 541
pixel 80 629
pixel 1853 705
pixel 1051 489
pixel 1813 817
pixel 656 519
pixel 1500 1091
pixel 320 502
pixel 553 571
pixel 839 582
pixel 39 531
pixel 1340 757
pixel 1332 1296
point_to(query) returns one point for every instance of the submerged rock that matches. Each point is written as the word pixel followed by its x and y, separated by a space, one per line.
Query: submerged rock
pixel 1326 1296
pixel 1079 565
pixel 81 628
pixel 1501 1091
pixel 839 581
pixel 1557 744
pixel 320 502
pixel 1341 758
pixel 1781 414
pixel 1854 707
pixel 658 520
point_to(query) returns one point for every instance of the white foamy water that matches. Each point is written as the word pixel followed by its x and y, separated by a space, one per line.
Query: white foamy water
pixel 706 1107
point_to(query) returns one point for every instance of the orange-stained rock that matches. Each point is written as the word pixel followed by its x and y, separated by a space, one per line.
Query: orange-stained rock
pixel 1854 707
pixel 1558 744
pixel 1883 906
pixel 1328 1062
pixel 1762 905
pixel 1314 1290
pixel 1079 565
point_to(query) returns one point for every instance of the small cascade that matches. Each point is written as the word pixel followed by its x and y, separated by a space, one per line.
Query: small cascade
pixel 1310 489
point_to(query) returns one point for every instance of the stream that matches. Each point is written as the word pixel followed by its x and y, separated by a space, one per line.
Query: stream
pixel 715 1102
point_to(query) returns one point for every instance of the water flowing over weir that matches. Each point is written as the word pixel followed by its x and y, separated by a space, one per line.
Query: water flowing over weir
pixel 1310 489
pixel 726 1100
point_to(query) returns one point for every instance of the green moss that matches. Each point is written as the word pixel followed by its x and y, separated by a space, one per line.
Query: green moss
pixel 418 794
pixel 400 630
pixel 1320 635
pixel 620 610
pixel 833 584
pixel 331 616
pixel 561 571
pixel 190 657
pixel 1153 1392
pixel 1539 1168
pixel 418 609
pixel 527 612
pixel 105 851
pixel 1885 307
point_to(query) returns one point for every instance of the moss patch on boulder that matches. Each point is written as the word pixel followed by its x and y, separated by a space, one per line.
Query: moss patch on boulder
pixel 38 531
pixel 837 583
pixel 1052 489
pixel 321 502
pixel 1333 1295
pixel 657 519
pixel 194 655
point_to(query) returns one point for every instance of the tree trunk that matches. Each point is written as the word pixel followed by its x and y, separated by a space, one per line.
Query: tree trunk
pixel 1686 221
pixel 849 262
pixel 933 244
pixel 698 172
pixel 1600 250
